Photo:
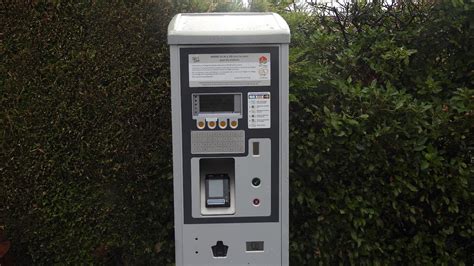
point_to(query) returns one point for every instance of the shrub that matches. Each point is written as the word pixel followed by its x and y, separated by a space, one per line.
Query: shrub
pixel 85 149
pixel 381 116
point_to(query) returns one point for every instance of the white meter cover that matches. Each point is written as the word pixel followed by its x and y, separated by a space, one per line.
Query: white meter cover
pixel 212 28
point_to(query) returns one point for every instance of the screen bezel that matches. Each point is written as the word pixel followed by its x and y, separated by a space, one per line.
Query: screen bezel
pixel 236 113
pixel 200 105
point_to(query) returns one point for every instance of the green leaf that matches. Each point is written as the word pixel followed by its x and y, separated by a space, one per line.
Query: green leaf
pixel 424 165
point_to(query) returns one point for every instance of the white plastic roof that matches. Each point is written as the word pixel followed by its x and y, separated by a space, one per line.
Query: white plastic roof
pixel 210 28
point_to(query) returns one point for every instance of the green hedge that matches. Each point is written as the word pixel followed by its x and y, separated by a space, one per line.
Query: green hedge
pixel 382 118
pixel 381 133
pixel 86 162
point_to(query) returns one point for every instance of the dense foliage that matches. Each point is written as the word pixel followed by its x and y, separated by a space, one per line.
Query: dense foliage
pixel 85 155
pixel 381 132
pixel 381 117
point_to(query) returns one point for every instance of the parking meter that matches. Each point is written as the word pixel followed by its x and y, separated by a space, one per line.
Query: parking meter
pixel 229 96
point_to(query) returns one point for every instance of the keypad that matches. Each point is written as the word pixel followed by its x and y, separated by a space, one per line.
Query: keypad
pixel 219 141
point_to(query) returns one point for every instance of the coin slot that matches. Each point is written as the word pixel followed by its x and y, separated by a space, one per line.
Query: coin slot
pixel 256 148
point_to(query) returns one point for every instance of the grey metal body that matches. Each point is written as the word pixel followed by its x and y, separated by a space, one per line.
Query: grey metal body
pixel 198 228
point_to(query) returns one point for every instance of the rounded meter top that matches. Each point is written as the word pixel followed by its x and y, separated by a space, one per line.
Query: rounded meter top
pixel 228 28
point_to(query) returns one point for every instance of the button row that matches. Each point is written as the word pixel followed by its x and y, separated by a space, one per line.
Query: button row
pixel 212 123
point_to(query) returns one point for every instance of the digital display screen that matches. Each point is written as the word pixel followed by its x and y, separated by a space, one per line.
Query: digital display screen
pixel 216 103
pixel 216 188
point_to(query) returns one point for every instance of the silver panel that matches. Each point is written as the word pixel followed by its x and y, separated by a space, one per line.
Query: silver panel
pixel 275 235
pixel 284 154
pixel 199 193
pixel 246 168
pixel 200 237
pixel 217 141
pixel 177 153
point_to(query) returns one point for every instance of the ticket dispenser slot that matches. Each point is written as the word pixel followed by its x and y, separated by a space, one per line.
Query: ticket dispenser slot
pixel 217 185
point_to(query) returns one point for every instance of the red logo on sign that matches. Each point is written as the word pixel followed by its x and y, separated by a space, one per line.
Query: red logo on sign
pixel 263 59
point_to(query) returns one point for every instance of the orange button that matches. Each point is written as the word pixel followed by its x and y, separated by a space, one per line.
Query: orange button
pixel 212 124
pixel 201 124
pixel 223 123
pixel 233 123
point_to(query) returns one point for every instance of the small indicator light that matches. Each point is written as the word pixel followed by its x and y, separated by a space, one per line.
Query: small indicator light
pixel 233 124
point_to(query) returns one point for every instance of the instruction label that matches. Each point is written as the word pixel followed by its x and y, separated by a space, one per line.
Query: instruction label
pixel 259 109
pixel 226 70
